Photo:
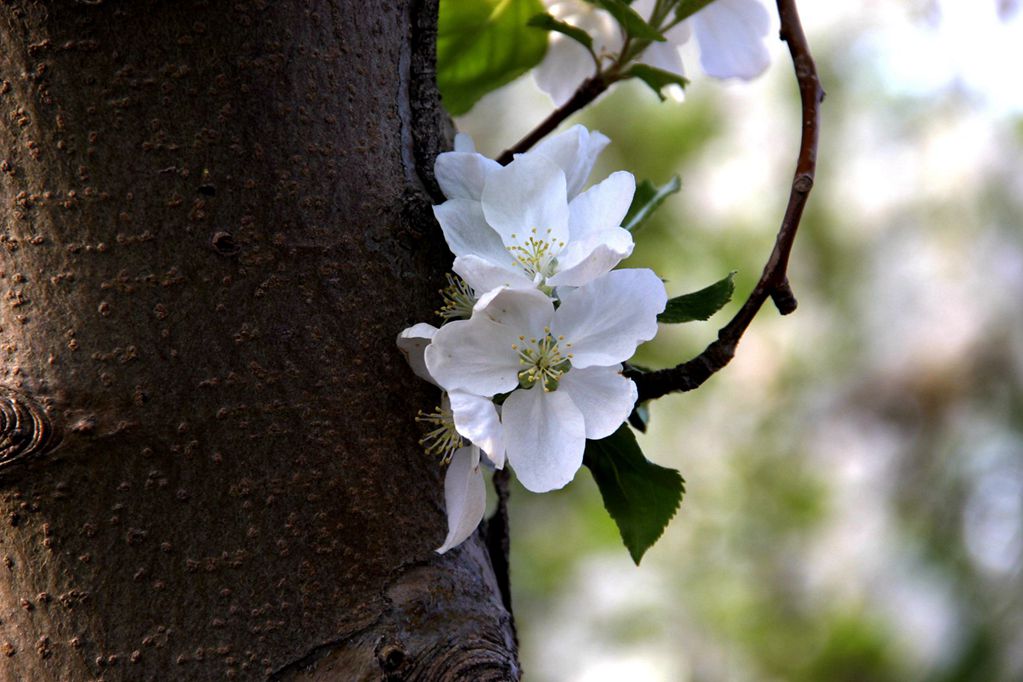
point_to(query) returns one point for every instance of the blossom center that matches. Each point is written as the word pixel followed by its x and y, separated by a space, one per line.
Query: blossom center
pixel 536 255
pixel 543 360
pixel 442 439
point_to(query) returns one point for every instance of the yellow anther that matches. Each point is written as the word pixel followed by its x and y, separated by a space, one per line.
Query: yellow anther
pixel 459 300
pixel 442 440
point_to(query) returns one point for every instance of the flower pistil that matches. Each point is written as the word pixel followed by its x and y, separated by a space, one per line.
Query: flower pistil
pixel 543 360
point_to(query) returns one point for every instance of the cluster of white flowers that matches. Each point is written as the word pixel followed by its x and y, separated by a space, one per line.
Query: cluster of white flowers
pixel 530 356
pixel 730 35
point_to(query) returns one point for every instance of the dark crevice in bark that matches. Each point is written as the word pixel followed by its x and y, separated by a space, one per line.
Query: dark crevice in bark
pixel 497 533
pixel 433 130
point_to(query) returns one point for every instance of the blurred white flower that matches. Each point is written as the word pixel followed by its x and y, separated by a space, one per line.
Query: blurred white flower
pixel 730 35
pixel 560 368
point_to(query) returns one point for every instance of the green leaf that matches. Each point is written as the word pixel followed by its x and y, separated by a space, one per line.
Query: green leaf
pixel 699 305
pixel 631 21
pixel 657 79
pixel 687 8
pixel 549 23
pixel 640 495
pixel 647 199
pixel 482 45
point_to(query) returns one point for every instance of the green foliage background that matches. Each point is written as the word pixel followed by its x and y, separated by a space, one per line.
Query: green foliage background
pixel 855 478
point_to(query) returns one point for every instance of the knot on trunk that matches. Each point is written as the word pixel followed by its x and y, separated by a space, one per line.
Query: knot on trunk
pixel 25 428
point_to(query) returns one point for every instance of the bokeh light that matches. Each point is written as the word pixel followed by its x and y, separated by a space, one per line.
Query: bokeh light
pixel 855 477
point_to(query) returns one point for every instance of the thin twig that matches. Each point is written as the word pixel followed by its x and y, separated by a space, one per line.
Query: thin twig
pixel 773 282
pixel 587 92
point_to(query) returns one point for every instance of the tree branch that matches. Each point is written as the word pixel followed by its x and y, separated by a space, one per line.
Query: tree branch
pixel 590 89
pixel 773 282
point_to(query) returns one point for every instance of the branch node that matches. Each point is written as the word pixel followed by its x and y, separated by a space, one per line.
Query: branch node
pixel 784 299
pixel 804 183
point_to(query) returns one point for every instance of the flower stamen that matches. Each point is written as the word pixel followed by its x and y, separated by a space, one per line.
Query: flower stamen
pixel 543 361
pixel 443 439
pixel 536 256
pixel 459 300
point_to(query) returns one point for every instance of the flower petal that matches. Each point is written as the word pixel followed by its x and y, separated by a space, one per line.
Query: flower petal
pixel 482 275
pixel 664 56
pixel 731 36
pixel 526 195
pixel 474 355
pixel 464 143
pixel 527 312
pixel 602 206
pixel 606 319
pixel 461 175
pixel 582 261
pixel 545 436
pixel 465 496
pixel 467 233
pixel 603 395
pixel 575 151
pixel 412 343
pixel 565 66
pixel 476 418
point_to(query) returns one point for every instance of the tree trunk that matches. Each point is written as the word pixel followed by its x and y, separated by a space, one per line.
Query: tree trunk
pixel 213 223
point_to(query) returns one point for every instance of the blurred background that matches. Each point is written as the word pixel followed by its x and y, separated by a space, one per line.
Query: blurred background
pixel 855 476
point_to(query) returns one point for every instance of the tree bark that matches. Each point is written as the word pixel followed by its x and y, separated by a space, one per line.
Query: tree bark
pixel 214 220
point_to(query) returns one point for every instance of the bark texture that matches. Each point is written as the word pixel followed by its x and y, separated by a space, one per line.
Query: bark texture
pixel 213 223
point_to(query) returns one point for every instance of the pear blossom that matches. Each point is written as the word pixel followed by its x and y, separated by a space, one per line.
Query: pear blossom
pixel 527 224
pixel 558 370
pixel 459 441
pixel 730 35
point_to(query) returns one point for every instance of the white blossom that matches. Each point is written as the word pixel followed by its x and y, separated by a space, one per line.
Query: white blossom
pixel 528 224
pixel 462 173
pixel 558 369
pixel 459 441
pixel 730 35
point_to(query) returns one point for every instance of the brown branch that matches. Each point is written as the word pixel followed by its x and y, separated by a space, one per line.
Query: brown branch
pixel 497 536
pixel 773 282
pixel 590 89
